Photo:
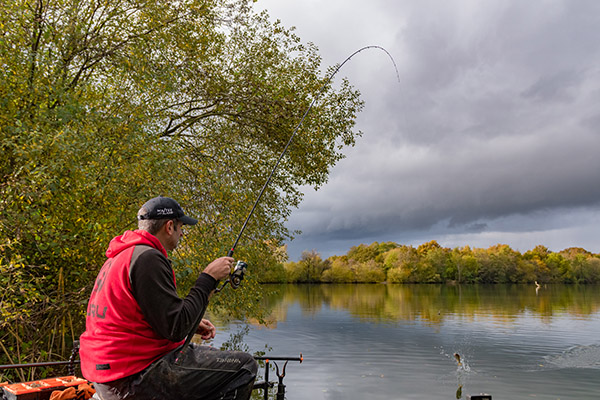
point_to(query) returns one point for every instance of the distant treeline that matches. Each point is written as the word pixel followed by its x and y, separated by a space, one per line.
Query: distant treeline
pixel 432 263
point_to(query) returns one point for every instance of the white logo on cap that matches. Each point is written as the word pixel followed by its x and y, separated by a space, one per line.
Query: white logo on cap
pixel 164 211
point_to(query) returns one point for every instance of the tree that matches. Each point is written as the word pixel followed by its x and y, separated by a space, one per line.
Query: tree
pixel 401 263
pixel 489 272
pixel 105 104
pixel 438 259
pixel 270 268
pixel 560 268
pixel 363 252
pixel 313 266
pixel 293 272
pixel 369 272
pixel 585 269
pixel 425 248
pixel 340 271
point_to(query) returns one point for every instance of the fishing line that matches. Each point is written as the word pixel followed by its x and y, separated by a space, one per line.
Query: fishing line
pixel 319 93
pixel 238 273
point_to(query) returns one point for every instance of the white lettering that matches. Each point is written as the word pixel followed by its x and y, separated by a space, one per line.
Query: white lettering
pixel 228 360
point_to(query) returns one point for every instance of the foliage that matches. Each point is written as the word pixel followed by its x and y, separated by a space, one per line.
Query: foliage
pixel 309 269
pixel 463 266
pixel 401 263
pixel 432 263
pixel 340 271
pixel 369 272
pixel 374 251
pixel 106 104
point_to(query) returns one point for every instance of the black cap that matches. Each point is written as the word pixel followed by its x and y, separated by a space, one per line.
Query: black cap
pixel 165 208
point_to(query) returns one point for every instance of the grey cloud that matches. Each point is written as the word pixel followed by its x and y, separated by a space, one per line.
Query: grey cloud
pixel 493 129
pixel 556 87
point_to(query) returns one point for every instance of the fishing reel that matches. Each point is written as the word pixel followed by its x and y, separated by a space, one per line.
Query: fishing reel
pixel 235 277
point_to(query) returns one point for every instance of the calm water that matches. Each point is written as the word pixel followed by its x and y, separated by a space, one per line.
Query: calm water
pixel 398 341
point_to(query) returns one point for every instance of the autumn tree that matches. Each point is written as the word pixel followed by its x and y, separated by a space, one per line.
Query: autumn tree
pixel 369 272
pixel 108 103
pixel 538 258
pixel 560 269
pixel 462 266
pixel 401 263
pixel 363 252
pixel 340 271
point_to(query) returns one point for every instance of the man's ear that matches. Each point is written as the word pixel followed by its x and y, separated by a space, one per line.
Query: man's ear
pixel 170 226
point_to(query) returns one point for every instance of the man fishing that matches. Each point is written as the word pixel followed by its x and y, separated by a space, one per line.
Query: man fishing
pixel 136 323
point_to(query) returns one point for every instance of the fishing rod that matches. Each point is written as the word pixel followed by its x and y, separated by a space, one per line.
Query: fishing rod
pixel 237 274
pixel 239 270
pixel 320 92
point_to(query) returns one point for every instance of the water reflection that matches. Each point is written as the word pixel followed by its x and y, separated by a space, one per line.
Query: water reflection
pixel 414 342
pixel 435 303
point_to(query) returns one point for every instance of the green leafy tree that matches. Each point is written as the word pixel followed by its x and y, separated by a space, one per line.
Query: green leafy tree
pixel 340 271
pixel 592 274
pixel 585 269
pixel 463 266
pixel 469 269
pixel 293 272
pixel 400 264
pixel 432 263
pixel 383 248
pixel 560 268
pixel 527 271
pixel 363 252
pixel 489 271
pixel 438 259
pixel 369 272
pixel 270 268
pixel 308 269
pixel 313 266
pixel 538 257
pixel 105 104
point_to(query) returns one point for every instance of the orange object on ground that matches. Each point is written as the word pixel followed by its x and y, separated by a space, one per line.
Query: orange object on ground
pixel 25 390
pixel 41 389
pixel 82 392
pixel 68 393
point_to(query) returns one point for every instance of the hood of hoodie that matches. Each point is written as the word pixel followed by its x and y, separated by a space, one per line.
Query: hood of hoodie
pixel 133 238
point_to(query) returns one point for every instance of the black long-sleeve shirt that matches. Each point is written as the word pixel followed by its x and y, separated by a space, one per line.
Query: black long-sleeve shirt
pixel 153 287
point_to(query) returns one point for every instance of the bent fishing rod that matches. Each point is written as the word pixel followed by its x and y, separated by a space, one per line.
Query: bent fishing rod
pixel 320 92
pixel 237 275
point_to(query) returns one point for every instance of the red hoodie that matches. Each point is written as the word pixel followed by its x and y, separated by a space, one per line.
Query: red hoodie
pixel 118 340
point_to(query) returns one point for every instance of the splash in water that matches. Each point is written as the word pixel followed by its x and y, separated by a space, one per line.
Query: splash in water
pixel 576 357
pixel 462 371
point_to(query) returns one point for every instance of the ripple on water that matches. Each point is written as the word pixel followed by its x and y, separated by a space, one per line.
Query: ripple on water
pixel 576 357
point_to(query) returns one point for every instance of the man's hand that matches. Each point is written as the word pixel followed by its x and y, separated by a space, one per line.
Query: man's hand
pixel 206 329
pixel 219 268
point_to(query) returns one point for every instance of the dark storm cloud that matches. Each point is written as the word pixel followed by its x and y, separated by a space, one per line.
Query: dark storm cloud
pixel 494 128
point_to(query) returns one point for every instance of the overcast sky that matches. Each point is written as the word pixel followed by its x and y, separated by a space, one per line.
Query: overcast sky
pixel 491 136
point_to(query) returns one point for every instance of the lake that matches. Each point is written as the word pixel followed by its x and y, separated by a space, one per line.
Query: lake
pixel 399 341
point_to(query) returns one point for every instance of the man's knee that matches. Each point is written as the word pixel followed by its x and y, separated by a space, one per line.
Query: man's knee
pixel 248 362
